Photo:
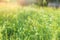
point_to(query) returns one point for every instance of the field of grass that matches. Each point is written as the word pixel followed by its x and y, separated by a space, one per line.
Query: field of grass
pixel 29 23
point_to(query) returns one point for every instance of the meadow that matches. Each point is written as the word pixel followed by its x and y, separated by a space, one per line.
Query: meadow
pixel 29 23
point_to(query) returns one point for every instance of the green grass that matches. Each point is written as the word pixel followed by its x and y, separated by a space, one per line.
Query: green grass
pixel 29 23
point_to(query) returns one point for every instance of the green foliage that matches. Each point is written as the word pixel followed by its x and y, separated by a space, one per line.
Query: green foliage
pixel 42 3
pixel 30 23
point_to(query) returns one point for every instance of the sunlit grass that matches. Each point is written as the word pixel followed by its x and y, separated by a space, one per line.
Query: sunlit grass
pixel 29 23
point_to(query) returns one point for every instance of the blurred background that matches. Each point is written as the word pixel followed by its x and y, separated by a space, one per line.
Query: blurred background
pixel 49 3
